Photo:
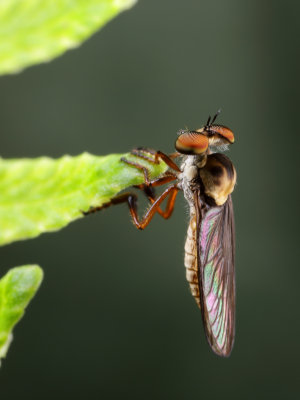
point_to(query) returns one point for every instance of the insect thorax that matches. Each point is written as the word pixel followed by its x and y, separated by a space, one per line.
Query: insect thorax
pixel 214 173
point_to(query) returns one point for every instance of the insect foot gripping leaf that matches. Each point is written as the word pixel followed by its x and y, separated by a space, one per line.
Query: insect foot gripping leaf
pixel 17 288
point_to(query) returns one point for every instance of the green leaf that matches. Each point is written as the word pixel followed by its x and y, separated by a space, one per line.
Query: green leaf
pixel 43 194
pixel 17 288
pixel 35 31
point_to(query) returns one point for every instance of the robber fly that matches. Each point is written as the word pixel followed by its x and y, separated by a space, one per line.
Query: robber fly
pixel 207 179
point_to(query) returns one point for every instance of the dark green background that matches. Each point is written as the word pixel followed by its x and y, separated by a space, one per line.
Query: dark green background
pixel 114 317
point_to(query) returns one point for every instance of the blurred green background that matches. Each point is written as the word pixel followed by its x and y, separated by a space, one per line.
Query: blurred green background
pixel 114 317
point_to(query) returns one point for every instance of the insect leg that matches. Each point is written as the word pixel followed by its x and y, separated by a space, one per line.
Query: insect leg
pixel 138 166
pixel 131 200
pixel 174 155
pixel 169 207
pixel 168 177
pixel 149 192
pixel 142 153
pixel 171 191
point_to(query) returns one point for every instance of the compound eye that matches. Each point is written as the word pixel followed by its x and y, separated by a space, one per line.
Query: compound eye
pixel 191 143
pixel 223 131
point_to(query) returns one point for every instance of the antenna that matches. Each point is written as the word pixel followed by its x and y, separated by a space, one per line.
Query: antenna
pixel 208 121
pixel 215 117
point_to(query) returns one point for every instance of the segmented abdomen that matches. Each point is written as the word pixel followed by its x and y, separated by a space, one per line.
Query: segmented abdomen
pixel 190 259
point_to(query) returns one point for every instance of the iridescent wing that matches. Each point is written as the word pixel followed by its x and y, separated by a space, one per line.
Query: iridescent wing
pixel 216 249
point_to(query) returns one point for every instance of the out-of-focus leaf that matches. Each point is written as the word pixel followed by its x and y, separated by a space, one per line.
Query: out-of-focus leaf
pixel 17 288
pixel 35 31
